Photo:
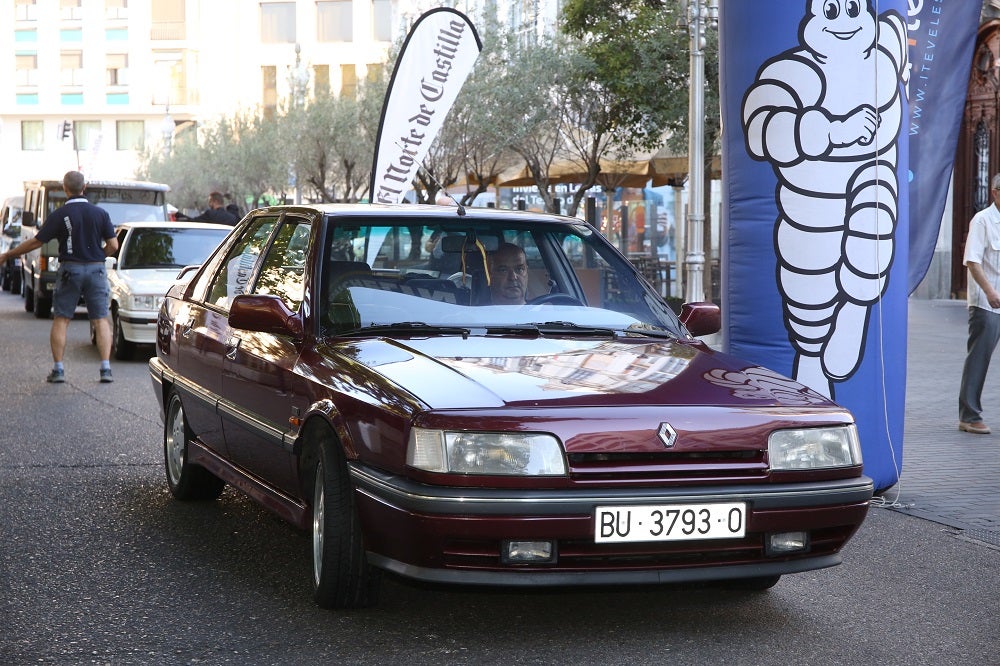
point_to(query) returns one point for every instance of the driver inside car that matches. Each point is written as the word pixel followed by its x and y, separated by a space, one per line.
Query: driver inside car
pixel 508 271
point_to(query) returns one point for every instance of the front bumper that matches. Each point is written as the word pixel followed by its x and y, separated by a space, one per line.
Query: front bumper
pixel 455 535
pixel 138 327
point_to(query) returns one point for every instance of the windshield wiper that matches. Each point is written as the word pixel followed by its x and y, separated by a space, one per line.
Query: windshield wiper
pixel 408 328
pixel 551 328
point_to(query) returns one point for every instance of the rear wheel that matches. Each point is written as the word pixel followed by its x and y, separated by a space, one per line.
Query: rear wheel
pixel 29 298
pixel 342 577
pixel 186 481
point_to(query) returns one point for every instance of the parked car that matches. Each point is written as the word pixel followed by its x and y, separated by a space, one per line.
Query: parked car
pixel 10 236
pixel 150 255
pixel 318 364
pixel 123 199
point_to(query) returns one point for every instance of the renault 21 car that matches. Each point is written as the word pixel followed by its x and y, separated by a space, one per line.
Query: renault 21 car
pixel 493 398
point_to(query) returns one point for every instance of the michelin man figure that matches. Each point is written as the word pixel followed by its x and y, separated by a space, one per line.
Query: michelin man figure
pixel 827 116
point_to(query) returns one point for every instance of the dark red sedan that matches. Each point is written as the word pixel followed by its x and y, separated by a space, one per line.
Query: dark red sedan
pixel 493 398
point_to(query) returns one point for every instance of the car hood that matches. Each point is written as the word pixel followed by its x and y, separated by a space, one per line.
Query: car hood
pixel 148 280
pixel 450 372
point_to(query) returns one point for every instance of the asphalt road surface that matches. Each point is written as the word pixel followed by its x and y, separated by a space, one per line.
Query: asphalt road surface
pixel 98 565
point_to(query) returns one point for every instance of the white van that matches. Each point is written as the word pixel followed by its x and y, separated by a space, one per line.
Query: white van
pixel 125 201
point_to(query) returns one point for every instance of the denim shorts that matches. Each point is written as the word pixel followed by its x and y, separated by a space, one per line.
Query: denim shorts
pixel 76 279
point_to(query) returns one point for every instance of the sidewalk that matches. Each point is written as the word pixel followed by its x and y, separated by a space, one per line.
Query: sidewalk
pixel 948 476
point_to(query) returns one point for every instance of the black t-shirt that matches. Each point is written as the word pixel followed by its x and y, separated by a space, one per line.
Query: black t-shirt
pixel 81 228
pixel 217 216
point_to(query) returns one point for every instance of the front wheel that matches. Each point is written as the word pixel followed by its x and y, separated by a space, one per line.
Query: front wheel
pixel 122 348
pixel 342 577
pixel 186 481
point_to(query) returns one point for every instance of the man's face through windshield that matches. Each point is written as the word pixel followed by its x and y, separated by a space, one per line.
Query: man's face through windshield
pixel 508 275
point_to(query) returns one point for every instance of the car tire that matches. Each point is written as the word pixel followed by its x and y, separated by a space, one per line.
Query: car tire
pixel 342 577
pixel 29 298
pixel 185 480
pixel 43 307
pixel 123 349
pixel 6 278
pixel 15 280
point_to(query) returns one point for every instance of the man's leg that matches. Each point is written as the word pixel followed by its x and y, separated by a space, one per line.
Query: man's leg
pixel 102 331
pixel 57 338
pixel 984 332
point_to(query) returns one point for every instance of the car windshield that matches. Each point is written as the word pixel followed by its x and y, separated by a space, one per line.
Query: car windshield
pixel 169 247
pixel 531 276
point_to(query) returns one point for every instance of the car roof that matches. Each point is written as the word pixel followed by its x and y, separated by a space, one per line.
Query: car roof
pixel 170 224
pixel 429 211
pixel 13 202
pixel 123 184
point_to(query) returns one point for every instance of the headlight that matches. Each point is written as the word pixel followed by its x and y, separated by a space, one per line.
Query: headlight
pixel 144 302
pixel 814 448
pixel 508 453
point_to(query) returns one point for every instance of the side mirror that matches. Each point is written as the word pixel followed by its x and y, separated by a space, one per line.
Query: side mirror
pixel 27 219
pixel 701 318
pixel 186 270
pixel 267 314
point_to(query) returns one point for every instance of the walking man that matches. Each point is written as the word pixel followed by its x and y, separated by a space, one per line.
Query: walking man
pixel 982 260
pixel 81 229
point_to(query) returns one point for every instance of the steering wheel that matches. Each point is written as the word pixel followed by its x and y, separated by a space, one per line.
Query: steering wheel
pixel 555 298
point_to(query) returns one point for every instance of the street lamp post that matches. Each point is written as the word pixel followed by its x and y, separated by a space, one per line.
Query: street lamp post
pixel 167 130
pixel 696 15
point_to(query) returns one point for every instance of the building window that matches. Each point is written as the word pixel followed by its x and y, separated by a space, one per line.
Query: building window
pixel 71 35
pixel 32 135
pixel 269 75
pixel 348 81
pixel 70 10
pixel 277 22
pixel 321 80
pixel 26 69
pixel 375 72
pixel 117 69
pixel 334 22
pixel 167 19
pixel 86 134
pixel 26 99
pixel 25 10
pixel 130 134
pixel 170 77
pixel 26 35
pixel 116 9
pixel 382 20
pixel 71 68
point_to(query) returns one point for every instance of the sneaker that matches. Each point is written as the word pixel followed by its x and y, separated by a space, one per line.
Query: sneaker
pixel 106 377
pixel 56 377
pixel 975 427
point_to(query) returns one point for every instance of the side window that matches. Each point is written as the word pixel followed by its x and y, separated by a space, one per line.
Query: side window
pixel 283 269
pixel 233 276
pixel 121 242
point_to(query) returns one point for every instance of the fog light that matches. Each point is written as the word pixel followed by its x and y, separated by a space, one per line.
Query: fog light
pixel 787 542
pixel 528 552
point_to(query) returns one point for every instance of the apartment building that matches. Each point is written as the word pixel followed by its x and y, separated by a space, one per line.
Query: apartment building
pixel 91 83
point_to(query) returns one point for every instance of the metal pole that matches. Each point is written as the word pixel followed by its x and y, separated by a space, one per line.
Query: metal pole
pixel 695 259
pixel 696 15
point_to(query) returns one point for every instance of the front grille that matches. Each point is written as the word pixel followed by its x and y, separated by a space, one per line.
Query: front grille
pixel 697 466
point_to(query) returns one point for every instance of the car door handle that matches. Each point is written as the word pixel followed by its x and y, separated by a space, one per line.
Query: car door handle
pixel 232 344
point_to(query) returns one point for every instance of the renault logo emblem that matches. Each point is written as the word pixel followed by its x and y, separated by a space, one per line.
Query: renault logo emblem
pixel 667 435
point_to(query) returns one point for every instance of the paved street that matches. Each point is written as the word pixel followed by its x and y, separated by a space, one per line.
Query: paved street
pixel 98 565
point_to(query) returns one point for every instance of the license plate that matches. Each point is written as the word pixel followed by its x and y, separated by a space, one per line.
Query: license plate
pixel 670 522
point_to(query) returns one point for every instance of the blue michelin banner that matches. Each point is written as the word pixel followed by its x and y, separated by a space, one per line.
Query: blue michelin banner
pixel 816 208
pixel 942 36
